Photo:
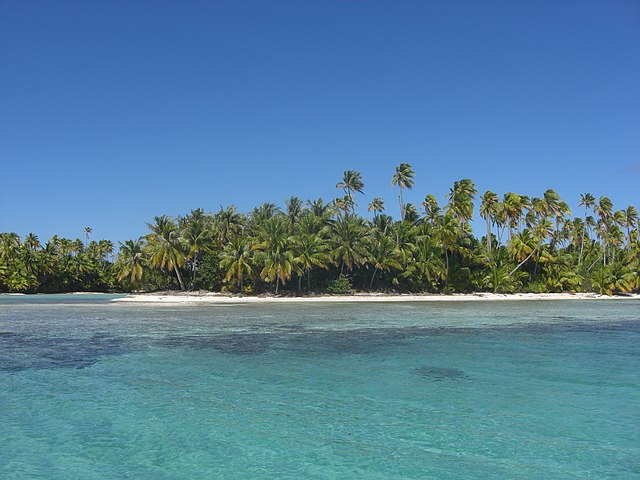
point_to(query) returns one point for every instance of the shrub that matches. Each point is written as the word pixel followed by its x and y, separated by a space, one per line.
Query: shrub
pixel 339 285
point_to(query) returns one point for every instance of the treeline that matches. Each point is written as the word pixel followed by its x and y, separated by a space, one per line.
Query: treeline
pixel 530 245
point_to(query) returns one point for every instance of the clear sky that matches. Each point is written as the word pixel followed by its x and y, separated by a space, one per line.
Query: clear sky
pixel 114 112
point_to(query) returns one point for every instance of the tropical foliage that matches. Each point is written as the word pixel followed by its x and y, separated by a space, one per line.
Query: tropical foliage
pixel 529 244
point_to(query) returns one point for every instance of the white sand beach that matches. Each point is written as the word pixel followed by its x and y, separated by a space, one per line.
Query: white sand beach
pixel 217 298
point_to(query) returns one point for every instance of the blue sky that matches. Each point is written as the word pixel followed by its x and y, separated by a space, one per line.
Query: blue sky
pixel 114 112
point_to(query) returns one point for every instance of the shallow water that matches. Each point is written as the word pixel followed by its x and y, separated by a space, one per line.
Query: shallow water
pixel 540 389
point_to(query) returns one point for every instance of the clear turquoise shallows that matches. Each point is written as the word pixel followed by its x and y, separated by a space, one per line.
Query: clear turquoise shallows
pixel 492 390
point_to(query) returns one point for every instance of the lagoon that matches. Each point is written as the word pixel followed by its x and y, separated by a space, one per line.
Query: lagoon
pixel 531 389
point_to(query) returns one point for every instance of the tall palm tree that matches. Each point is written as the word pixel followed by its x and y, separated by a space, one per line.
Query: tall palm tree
pixel 604 210
pixel 513 205
pixel 630 222
pixel 587 201
pixel 461 200
pixel 556 209
pixel 446 233
pixel 351 183
pixel 197 234
pixel 166 246
pixel 488 210
pixel 404 178
pixel 87 232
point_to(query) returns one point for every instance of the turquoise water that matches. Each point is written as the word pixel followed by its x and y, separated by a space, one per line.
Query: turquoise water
pixel 95 390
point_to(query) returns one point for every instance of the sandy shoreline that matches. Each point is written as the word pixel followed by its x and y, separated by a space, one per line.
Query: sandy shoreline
pixel 216 298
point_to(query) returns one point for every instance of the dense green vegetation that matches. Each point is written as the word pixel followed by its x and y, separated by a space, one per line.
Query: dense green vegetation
pixel 531 245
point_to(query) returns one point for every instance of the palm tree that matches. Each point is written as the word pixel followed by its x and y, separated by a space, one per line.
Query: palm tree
pixel 630 221
pixel 87 232
pixel 488 210
pixel 131 261
pixel 604 210
pixel 197 235
pixel 294 212
pixel 166 246
pixel 31 242
pixel 513 205
pixel 404 178
pixel 426 266
pixel 376 206
pixel 587 201
pixel 348 234
pixel 277 258
pixel 311 251
pixel 9 246
pixel 461 200
pixel 236 260
pixel 446 233
pixel 431 208
pixel 227 223
pixel 557 209
pixel 382 255
pixel 351 183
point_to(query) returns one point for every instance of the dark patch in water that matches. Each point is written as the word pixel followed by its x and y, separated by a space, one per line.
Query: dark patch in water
pixel 439 374
pixel 21 352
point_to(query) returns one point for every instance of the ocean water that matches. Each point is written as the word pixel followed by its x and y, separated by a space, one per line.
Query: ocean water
pixel 96 390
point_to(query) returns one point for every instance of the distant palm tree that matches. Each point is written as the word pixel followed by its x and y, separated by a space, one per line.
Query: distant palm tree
pixel 404 178
pixel 87 232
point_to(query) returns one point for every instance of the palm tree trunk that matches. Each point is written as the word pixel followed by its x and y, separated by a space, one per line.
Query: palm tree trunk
pixel 446 257
pixel 175 267
pixel 584 231
pixel 300 283
pixel 522 263
pixel 488 234
pixel 372 277
pixel 401 206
